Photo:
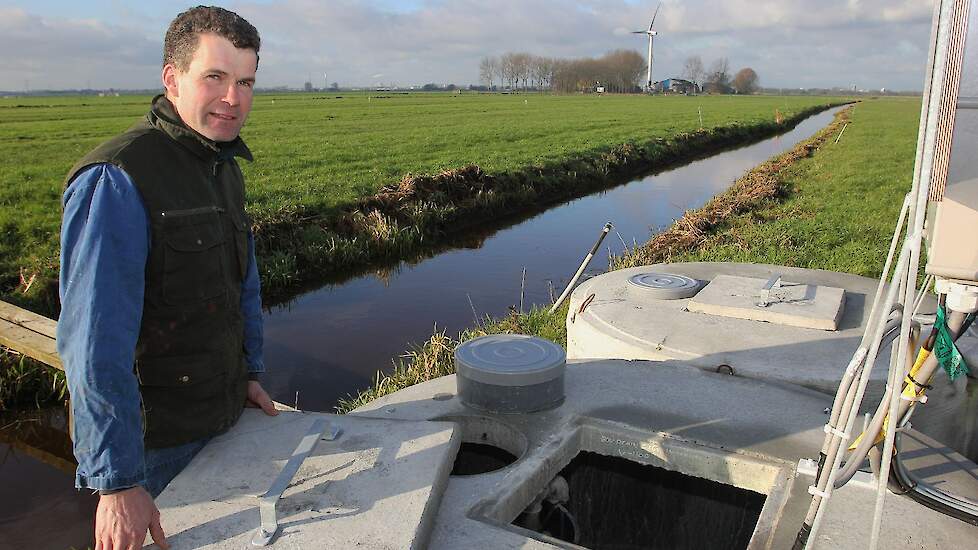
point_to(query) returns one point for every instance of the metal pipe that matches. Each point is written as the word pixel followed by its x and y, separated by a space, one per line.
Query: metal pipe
pixel 580 270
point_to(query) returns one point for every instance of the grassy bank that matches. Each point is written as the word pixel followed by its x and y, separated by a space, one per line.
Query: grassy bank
pixel 25 383
pixel 340 181
pixel 822 205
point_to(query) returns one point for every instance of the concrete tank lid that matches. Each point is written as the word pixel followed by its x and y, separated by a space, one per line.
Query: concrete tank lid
pixel 664 286
pixel 510 360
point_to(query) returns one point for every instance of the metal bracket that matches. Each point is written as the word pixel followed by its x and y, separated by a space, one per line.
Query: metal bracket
pixel 773 283
pixel 321 428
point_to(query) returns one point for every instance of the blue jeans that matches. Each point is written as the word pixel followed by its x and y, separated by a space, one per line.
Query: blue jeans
pixel 162 465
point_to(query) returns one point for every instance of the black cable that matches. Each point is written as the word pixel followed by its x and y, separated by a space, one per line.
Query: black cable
pixel 910 487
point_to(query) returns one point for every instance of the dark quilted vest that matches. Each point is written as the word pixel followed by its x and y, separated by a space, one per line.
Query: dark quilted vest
pixel 190 356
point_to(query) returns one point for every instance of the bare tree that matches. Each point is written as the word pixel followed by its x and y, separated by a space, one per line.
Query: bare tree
pixel 522 68
pixel 693 69
pixel 622 69
pixel 487 70
pixel 745 81
pixel 509 70
pixel 718 77
pixel 545 67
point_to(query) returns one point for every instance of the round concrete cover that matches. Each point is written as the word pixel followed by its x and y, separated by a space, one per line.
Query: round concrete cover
pixel 510 360
pixel 665 286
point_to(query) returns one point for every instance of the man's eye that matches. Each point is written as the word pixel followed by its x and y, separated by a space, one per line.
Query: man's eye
pixel 213 76
pixel 246 84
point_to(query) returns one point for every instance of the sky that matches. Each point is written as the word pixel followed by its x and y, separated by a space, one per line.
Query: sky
pixel 870 44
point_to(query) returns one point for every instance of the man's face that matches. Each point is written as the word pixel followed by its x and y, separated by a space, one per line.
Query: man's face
pixel 214 95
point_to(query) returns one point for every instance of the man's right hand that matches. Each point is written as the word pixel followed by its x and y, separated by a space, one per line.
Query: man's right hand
pixel 122 519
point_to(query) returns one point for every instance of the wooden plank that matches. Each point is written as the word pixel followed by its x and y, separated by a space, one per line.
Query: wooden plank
pixel 28 319
pixel 32 344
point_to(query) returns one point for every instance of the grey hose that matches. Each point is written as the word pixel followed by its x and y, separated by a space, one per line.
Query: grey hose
pixel 954 322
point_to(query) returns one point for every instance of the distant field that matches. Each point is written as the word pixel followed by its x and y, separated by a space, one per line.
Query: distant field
pixel 323 151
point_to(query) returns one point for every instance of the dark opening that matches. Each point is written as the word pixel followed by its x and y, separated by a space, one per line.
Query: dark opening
pixel 618 504
pixel 479 458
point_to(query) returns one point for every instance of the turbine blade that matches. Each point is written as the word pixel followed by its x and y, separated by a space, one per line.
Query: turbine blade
pixel 654 15
pixel 640 32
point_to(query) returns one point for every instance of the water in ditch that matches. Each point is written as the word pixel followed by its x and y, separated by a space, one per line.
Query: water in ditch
pixel 329 343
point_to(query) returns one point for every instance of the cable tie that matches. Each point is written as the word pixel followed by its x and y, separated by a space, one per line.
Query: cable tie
pixel 813 490
pixel 918 384
pixel 827 428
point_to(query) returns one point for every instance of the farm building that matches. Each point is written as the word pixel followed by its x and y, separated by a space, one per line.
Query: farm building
pixel 677 86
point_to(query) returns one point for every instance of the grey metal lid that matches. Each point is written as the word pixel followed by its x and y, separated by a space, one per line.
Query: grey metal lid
pixel 510 360
pixel 664 286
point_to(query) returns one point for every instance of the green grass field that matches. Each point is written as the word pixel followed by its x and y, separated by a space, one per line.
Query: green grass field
pixel 320 152
pixel 837 211
pixel 841 205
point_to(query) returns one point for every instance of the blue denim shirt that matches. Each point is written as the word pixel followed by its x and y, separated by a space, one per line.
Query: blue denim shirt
pixel 105 240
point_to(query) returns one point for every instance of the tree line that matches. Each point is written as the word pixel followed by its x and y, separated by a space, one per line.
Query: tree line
pixel 617 71
pixel 717 79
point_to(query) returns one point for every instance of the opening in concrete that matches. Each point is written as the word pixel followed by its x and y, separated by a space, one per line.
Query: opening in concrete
pixel 487 445
pixel 600 501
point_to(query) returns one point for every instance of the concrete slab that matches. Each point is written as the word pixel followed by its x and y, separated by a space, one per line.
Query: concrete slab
pixel 793 304
pixel 620 323
pixel 378 486
pixel 728 429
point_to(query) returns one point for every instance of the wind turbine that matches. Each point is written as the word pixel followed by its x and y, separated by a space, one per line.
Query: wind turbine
pixel 651 32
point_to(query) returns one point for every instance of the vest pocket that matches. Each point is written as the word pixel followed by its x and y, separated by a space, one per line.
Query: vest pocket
pixel 184 397
pixel 192 255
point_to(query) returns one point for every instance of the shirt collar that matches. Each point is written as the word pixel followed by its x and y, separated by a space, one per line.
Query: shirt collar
pixel 164 117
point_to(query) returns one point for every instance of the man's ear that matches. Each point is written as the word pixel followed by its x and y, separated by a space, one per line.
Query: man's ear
pixel 169 77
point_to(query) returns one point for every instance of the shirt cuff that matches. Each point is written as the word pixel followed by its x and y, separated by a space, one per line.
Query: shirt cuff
pixel 106 492
pixel 255 365
pixel 254 376
pixel 107 483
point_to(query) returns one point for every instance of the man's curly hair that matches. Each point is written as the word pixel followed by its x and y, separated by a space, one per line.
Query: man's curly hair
pixel 182 36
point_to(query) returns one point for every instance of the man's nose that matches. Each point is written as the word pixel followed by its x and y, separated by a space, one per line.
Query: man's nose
pixel 231 94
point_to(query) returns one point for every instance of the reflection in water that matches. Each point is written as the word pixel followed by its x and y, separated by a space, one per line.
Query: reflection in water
pixel 40 507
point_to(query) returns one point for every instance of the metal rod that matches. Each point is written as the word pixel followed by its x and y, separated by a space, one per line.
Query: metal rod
pixel 580 270
pixel 844 126
pixel 266 503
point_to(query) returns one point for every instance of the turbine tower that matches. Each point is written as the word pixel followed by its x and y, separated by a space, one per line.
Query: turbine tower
pixel 651 33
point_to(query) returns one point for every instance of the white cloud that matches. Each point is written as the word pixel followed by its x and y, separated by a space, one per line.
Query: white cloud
pixel 62 53
pixel 871 43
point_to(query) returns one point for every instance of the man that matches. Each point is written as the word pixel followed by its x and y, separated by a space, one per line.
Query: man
pixel 160 330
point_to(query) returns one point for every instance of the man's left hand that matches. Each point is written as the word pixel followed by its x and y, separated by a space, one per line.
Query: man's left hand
pixel 258 398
